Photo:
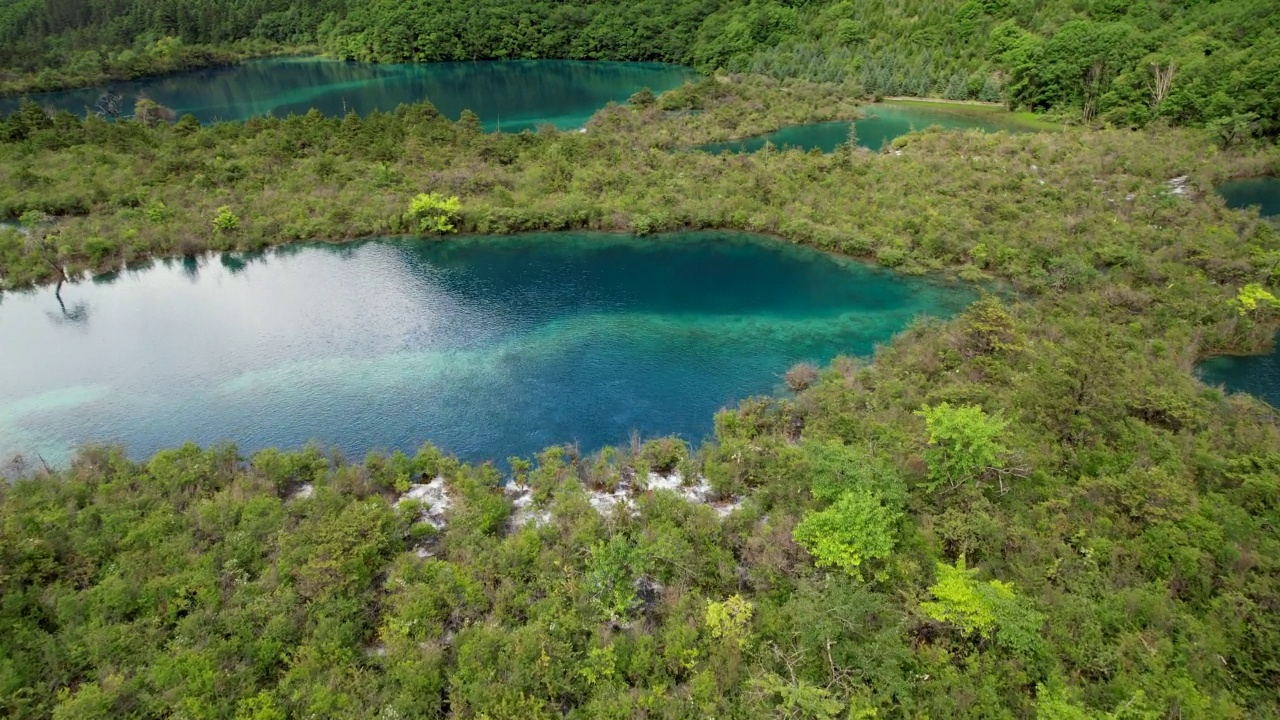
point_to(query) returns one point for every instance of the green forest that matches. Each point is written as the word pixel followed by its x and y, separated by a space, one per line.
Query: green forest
pixel 1091 61
pixel 1034 509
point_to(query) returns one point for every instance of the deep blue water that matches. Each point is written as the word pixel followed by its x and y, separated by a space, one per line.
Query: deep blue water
pixel 1262 192
pixel 488 347
pixel 509 94
pixel 883 123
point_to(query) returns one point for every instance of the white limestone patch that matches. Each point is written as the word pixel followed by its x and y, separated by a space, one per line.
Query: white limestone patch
pixel 1179 185
pixel 526 512
pixel 305 491
pixel 436 497
pixel 604 502
pixel 699 492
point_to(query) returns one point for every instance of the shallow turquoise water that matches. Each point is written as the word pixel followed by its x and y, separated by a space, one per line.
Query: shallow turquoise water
pixel 1258 375
pixel 1263 192
pixel 487 346
pixel 883 123
pixel 509 94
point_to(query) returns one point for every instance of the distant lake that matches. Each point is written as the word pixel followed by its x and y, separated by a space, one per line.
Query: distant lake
pixel 1263 192
pixel 511 94
pixel 487 346
pixel 883 123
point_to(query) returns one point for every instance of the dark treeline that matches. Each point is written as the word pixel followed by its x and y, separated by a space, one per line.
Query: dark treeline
pixel 1127 63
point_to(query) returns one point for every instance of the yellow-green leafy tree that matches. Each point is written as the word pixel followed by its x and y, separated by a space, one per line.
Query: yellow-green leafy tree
pixel 857 527
pixel 434 213
pixel 988 609
pixel 1252 296
pixel 728 620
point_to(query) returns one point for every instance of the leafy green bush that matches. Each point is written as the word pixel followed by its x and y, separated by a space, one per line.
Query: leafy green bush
pixel 664 455
pixel 435 213
pixel 226 221
pixel 729 620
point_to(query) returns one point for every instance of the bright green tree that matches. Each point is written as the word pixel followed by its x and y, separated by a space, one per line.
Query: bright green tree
pixel 963 601
pixel 728 620
pixel 435 213
pixel 611 572
pixel 796 698
pixel 983 608
pixel 856 528
pixel 1251 296
pixel 1053 702
pixel 964 442
pixel 226 221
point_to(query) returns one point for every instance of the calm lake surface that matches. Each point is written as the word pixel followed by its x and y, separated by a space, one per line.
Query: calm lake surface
pixel 884 122
pixel 1258 375
pixel 488 347
pixel 511 94
pixel 1264 192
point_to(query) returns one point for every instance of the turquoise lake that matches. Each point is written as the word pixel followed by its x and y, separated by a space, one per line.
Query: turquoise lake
pixel 488 347
pixel 883 123
pixel 1262 192
pixel 512 95
pixel 1258 375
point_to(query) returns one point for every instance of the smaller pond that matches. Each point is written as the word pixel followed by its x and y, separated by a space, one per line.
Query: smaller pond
pixel 883 123
pixel 1262 192
pixel 1258 375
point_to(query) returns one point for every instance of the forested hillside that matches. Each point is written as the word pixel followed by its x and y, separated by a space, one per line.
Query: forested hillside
pixel 1127 63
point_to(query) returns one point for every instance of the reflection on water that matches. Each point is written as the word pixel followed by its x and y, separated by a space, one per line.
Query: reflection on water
pixel 487 346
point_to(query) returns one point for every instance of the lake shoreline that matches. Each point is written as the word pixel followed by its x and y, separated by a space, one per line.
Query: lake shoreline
pixel 206 58
pixel 948 275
